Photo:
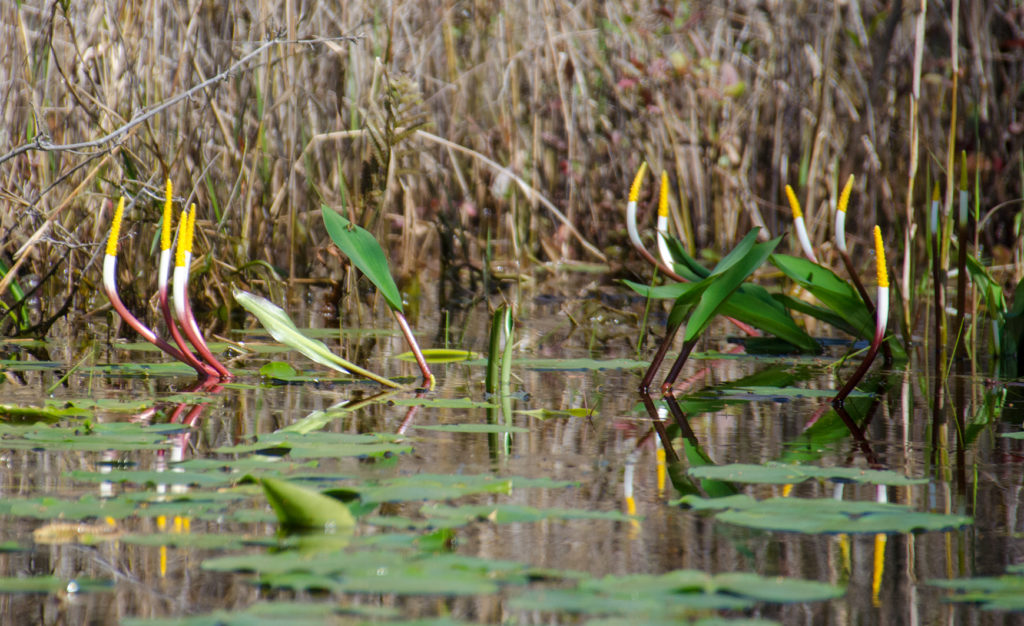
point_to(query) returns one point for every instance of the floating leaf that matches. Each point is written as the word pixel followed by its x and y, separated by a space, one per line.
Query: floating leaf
pixel 281 328
pixel 441 355
pixel 298 507
pixel 824 515
pixel 475 428
pixel 779 474
pixel 996 593
pixel 365 253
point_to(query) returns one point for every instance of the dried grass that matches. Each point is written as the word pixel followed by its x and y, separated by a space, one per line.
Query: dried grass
pixel 734 98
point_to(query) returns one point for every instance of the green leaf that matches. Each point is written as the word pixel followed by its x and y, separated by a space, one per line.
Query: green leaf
pixel 834 292
pixel 365 253
pixel 441 355
pixel 824 515
pixel 780 474
pixel 281 328
pixel 722 285
pixel 746 306
pixel 298 507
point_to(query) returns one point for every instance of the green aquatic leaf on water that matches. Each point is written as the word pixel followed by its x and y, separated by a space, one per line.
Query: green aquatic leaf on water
pixel 474 428
pixel 441 355
pixel 323 445
pixel 781 474
pixel 443 403
pixel 283 329
pixel 823 515
pixel 365 253
pixel 151 477
pixel 299 507
pixel 509 513
pixel 993 593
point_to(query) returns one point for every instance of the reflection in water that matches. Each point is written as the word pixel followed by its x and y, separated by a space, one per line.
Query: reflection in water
pixel 626 456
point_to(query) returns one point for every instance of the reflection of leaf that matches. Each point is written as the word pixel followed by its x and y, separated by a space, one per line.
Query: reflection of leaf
pixel 823 515
pixel 365 253
pixel 281 328
pixel 298 507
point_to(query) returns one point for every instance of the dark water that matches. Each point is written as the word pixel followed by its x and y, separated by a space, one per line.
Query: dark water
pixel 609 453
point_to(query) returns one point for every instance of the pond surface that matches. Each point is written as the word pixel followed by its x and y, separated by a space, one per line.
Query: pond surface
pixel 137 507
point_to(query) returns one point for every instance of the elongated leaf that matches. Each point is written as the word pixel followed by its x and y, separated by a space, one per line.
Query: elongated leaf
pixel 738 253
pixel 834 292
pixel 662 292
pixel 746 306
pixel 686 265
pixel 818 312
pixel 365 253
pixel 281 328
pixel 298 507
pixel 721 286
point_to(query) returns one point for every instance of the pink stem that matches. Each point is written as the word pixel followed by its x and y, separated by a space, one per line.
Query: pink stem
pixel 145 331
pixel 191 359
pixel 188 324
pixel 428 378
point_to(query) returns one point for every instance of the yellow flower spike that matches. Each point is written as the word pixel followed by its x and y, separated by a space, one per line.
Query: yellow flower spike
pixel 794 204
pixel 663 196
pixel 844 197
pixel 165 231
pixel 115 228
pixel 883 274
pixel 935 192
pixel 634 190
pixel 179 256
pixel 191 228
pixel 963 170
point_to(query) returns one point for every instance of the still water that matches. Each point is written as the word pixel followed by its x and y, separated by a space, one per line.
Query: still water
pixel 573 422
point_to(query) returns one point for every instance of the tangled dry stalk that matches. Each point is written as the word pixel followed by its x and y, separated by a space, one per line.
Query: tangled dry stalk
pixel 260 111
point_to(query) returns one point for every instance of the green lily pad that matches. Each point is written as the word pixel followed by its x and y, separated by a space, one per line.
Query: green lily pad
pixel 779 474
pixel 823 515
pixel 475 428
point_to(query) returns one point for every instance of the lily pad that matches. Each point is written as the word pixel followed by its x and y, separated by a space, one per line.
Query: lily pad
pixel 823 515
pixel 780 474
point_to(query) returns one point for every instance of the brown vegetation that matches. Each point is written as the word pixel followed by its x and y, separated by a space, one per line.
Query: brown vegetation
pixel 734 98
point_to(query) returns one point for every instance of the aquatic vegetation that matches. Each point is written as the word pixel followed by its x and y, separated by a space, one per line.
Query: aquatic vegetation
pixel 205 364
pixel 367 255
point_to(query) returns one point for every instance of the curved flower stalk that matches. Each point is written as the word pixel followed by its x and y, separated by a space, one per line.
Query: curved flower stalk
pixel 881 318
pixel 163 282
pixel 798 222
pixel 844 254
pixel 110 287
pixel 666 256
pixel 183 257
pixel 634 234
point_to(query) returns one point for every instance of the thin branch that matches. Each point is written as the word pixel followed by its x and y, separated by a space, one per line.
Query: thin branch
pixel 42 141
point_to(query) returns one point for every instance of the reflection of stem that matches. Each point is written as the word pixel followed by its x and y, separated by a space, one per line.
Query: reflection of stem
pixel 680 417
pixel 857 434
pixel 851 383
pixel 428 378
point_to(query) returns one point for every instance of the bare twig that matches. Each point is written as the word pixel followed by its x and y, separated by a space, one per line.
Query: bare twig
pixel 41 142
